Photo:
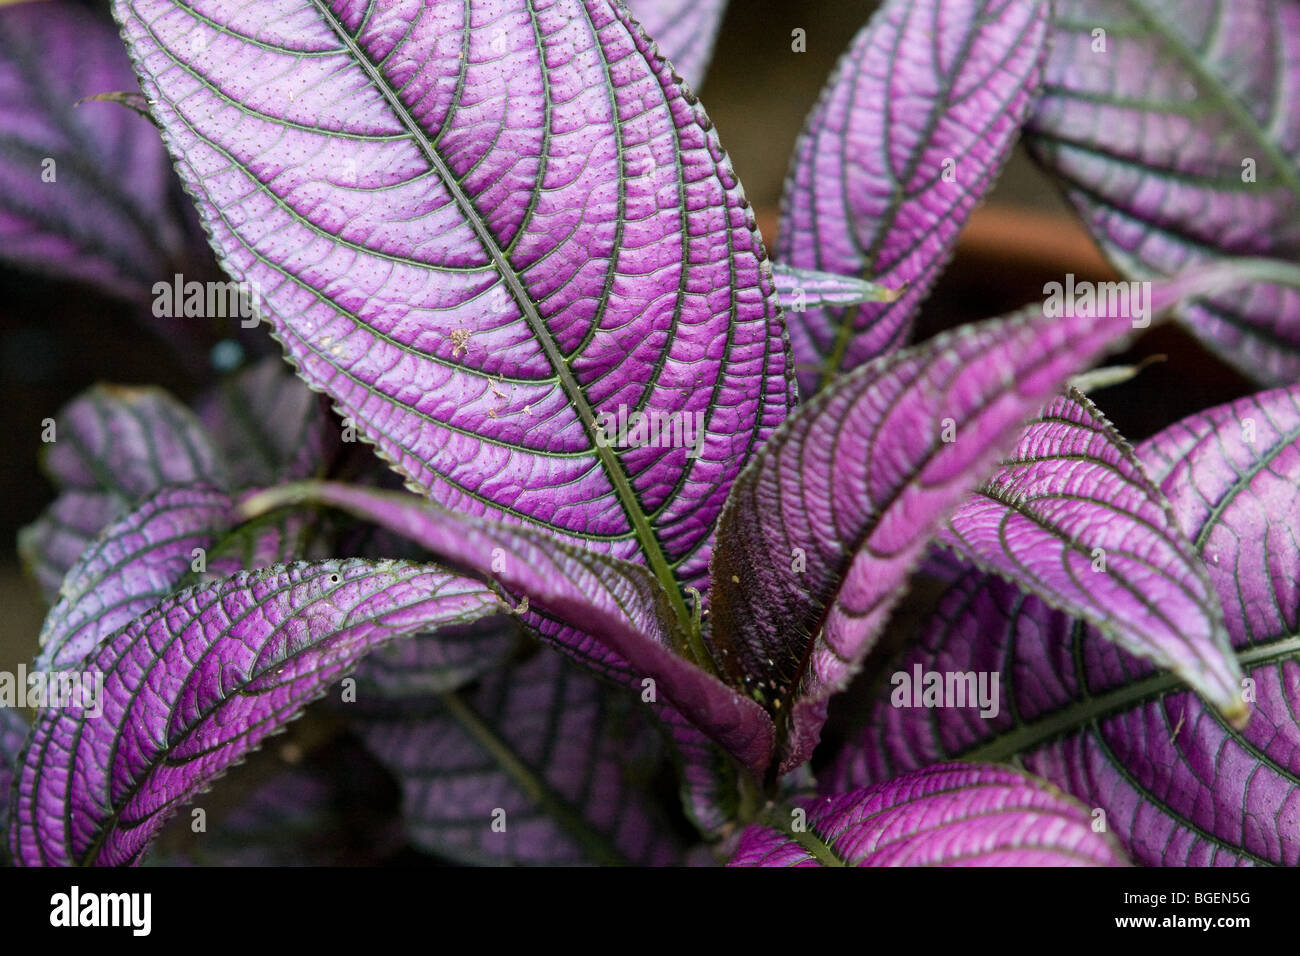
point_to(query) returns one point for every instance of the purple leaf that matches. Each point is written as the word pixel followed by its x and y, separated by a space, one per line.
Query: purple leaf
pixel 800 289
pixel 1073 518
pixel 824 526
pixel 438 662
pixel 910 132
pixel 685 31
pixel 331 808
pixel 276 539
pixel 608 614
pixel 539 764
pixel 481 228
pixel 134 564
pixel 83 187
pixel 1176 782
pixel 190 687
pixel 51 544
pixel 269 426
pixel 112 446
pixel 952 815
pixel 1174 128
pixel 13 737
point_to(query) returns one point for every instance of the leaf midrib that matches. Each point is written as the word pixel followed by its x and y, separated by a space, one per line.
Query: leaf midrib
pixel 610 463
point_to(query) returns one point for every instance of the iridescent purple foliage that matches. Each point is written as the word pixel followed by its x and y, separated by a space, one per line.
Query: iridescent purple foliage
pixel 567 491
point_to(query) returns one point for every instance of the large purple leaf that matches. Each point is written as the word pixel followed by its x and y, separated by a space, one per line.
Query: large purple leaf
pixel 13 735
pixel 1072 517
pixel 909 134
pixel 268 425
pixel 481 227
pixel 952 815
pixel 112 446
pixel 685 31
pixel 538 764
pixel 83 188
pixel 1176 132
pixel 608 614
pixel 1177 783
pixel 196 683
pixel 134 564
pixel 824 526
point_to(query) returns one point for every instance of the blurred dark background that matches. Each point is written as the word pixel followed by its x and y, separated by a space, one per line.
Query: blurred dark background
pixel 57 339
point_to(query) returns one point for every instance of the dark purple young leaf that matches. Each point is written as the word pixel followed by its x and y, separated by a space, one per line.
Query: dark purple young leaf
pixel 801 289
pixel 824 526
pixel 83 188
pixel 950 815
pixel 610 615
pixel 190 687
pixel 480 228
pixel 13 737
pixel 1177 783
pixel 51 545
pixel 268 425
pixel 685 31
pixel 112 447
pixel 538 764
pixel 131 566
pixel 438 662
pixel 1073 518
pixel 910 132
pixel 333 806
pixel 1174 127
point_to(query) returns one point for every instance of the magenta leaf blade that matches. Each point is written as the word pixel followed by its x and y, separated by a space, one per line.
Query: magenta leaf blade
pixel 538 764
pixel 947 815
pixel 1177 783
pixel 1174 128
pixel 134 564
pixel 685 31
pixel 83 185
pixel 610 615
pixel 909 134
pixel 484 228
pixel 1073 518
pixel 193 685
pixel 825 525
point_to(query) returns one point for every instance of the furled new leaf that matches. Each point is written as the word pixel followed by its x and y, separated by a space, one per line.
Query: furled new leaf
pixel 1072 517
pixel 685 31
pixel 481 227
pixel 196 683
pixel 134 564
pixel 824 526
pixel 800 289
pixel 948 815
pixel 1177 783
pixel 538 764
pixel 83 185
pixel 910 132
pixel 1174 126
